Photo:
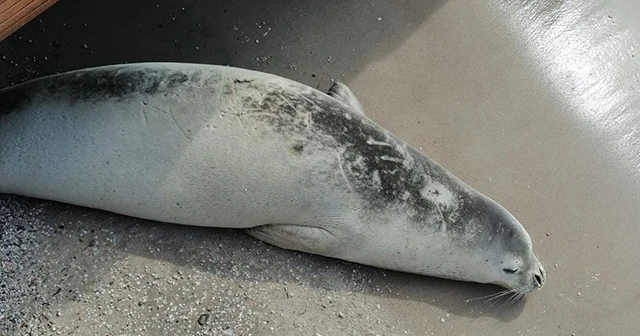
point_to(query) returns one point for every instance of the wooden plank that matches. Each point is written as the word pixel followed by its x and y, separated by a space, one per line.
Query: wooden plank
pixel 16 13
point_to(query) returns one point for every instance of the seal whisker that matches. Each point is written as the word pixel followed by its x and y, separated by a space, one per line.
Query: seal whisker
pixel 513 299
pixel 506 302
pixel 496 301
pixel 500 296
pixel 502 292
pixel 523 297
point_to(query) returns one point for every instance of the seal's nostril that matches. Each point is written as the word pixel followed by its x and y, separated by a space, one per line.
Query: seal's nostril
pixel 538 280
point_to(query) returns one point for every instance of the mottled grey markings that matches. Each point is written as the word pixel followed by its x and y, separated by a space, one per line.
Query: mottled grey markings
pixel 95 84
pixel 383 175
pixel 277 108
pixel 397 174
pixel 99 84
pixel 378 173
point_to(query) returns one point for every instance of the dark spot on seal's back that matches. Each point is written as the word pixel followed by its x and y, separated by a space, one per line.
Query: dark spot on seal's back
pixel 96 84
pixel 241 81
pixel 114 83
pixel 363 161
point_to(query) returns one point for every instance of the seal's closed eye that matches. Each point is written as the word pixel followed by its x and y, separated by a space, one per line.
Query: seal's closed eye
pixel 509 270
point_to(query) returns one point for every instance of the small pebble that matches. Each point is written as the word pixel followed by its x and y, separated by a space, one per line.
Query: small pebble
pixel 202 320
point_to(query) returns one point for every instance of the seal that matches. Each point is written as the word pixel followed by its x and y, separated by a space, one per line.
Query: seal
pixel 216 146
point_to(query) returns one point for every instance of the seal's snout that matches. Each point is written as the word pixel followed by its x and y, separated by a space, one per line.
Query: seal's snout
pixel 539 277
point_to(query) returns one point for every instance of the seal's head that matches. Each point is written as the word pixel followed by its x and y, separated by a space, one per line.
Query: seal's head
pixel 509 259
pixel 520 273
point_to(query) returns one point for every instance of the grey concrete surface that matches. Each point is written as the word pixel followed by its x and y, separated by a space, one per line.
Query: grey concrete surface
pixel 534 103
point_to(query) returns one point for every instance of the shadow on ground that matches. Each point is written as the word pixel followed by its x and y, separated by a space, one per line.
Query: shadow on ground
pixel 96 240
pixel 311 42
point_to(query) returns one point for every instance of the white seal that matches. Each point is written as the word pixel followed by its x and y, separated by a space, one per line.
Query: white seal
pixel 218 146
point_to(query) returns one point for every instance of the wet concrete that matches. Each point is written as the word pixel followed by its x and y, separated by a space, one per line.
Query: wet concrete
pixel 535 104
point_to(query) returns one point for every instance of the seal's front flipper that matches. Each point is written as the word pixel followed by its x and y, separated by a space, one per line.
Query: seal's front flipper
pixel 342 93
pixel 308 239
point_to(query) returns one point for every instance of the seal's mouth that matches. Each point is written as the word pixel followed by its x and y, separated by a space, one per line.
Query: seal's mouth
pixel 533 287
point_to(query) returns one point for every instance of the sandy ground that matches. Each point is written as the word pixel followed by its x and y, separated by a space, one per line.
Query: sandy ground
pixel 535 105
